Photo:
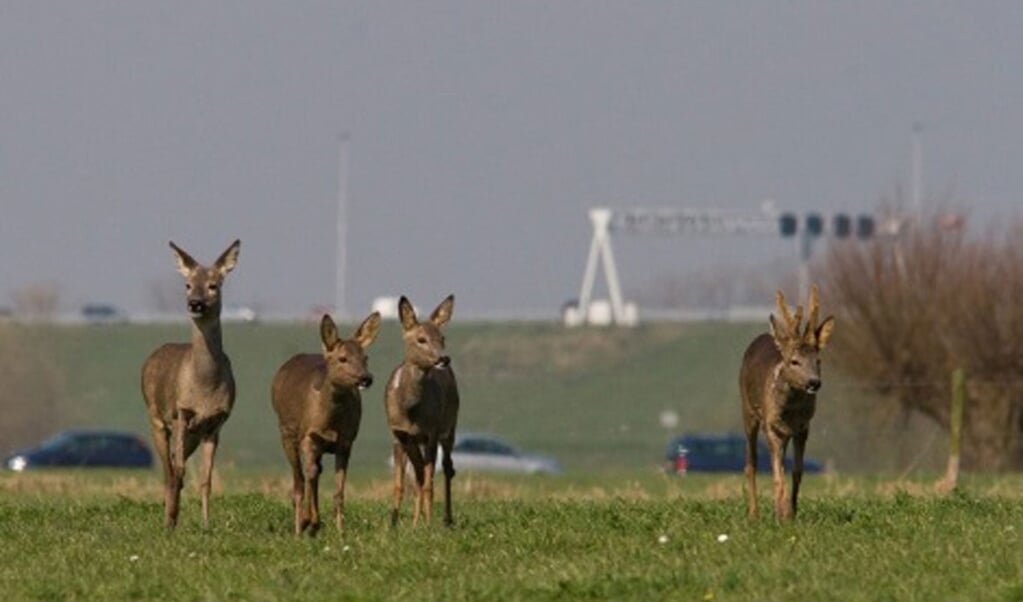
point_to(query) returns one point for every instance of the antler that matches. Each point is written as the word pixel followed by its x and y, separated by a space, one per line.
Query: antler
pixel 791 323
pixel 811 324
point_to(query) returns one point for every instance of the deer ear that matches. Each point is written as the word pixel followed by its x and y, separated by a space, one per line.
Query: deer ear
pixel 406 313
pixel 328 333
pixel 185 262
pixel 442 314
pixel 779 333
pixel 367 331
pixel 229 258
pixel 823 332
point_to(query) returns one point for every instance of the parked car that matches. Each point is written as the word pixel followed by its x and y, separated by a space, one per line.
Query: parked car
pixel 721 453
pixel 486 453
pixel 103 313
pixel 84 448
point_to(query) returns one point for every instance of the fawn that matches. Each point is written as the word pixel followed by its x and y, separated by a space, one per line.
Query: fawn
pixel 421 401
pixel 319 407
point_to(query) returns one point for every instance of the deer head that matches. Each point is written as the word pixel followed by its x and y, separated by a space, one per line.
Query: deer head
pixel 424 342
pixel 203 284
pixel 346 361
pixel 800 345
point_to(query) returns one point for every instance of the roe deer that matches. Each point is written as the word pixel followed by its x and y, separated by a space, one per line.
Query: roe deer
pixel 778 381
pixel 188 387
pixel 421 401
pixel 319 407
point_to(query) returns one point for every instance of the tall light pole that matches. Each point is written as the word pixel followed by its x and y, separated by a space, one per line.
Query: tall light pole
pixel 340 292
pixel 918 168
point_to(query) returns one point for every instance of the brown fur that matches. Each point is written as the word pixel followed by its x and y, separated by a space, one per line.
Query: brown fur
pixel 319 408
pixel 188 387
pixel 778 382
pixel 421 401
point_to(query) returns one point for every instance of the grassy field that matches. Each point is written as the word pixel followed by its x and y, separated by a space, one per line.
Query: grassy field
pixel 590 397
pixel 88 536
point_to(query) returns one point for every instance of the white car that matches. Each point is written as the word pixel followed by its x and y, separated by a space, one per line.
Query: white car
pixel 474 452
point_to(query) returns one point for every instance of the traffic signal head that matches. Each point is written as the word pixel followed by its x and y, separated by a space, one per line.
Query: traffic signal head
pixel 841 226
pixel 814 224
pixel 788 224
pixel 865 226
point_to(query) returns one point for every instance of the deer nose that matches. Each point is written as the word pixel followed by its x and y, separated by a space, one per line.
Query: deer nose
pixel 366 381
pixel 196 306
pixel 813 385
pixel 443 362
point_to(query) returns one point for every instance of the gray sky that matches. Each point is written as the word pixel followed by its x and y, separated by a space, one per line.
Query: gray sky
pixel 481 132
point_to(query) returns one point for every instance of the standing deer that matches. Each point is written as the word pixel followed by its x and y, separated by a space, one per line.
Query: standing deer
pixel 421 401
pixel 319 407
pixel 188 387
pixel 779 380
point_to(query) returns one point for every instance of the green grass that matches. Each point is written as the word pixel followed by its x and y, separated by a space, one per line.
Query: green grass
pixel 593 538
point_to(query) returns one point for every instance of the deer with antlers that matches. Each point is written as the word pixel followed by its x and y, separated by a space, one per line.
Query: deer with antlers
pixel 779 380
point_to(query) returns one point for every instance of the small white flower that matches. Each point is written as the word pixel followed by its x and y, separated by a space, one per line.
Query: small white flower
pixel 326 548
pixel 722 538
pixel 133 557
pixel 345 549
pixel 663 539
pixel 191 554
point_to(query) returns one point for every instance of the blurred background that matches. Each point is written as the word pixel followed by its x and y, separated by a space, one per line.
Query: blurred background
pixel 361 151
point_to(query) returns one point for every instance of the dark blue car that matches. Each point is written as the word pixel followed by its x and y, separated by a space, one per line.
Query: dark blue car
pixel 84 448
pixel 721 453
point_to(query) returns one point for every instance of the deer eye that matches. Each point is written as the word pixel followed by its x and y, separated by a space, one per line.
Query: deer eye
pixel 188 286
pixel 422 340
pixel 342 360
pixel 795 362
pixel 212 287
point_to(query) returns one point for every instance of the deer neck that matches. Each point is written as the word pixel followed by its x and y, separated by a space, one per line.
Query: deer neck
pixel 412 379
pixel 207 348
pixel 781 389
pixel 331 394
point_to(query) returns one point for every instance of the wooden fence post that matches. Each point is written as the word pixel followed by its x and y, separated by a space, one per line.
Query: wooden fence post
pixel 955 429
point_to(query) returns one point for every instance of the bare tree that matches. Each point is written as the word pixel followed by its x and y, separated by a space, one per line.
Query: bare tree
pixel 166 295
pixel 915 306
pixel 32 388
pixel 36 302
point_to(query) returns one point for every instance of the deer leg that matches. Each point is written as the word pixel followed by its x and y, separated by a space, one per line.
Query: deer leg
pixel 177 463
pixel 751 469
pixel 798 447
pixel 449 473
pixel 416 459
pixel 398 454
pixel 311 467
pixel 161 442
pixel 340 471
pixel 297 481
pixel 429 471
pixel 777 443
pixel 209 451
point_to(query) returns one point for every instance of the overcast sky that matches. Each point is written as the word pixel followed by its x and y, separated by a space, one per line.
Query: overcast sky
pixel 480 134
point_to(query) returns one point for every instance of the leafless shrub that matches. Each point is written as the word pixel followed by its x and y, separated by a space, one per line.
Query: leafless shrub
pixel 31 390
pixel 36 302
pixel 912 308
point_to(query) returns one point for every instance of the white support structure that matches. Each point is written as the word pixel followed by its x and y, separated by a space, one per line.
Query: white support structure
pixel 650 221
pixel 600 249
